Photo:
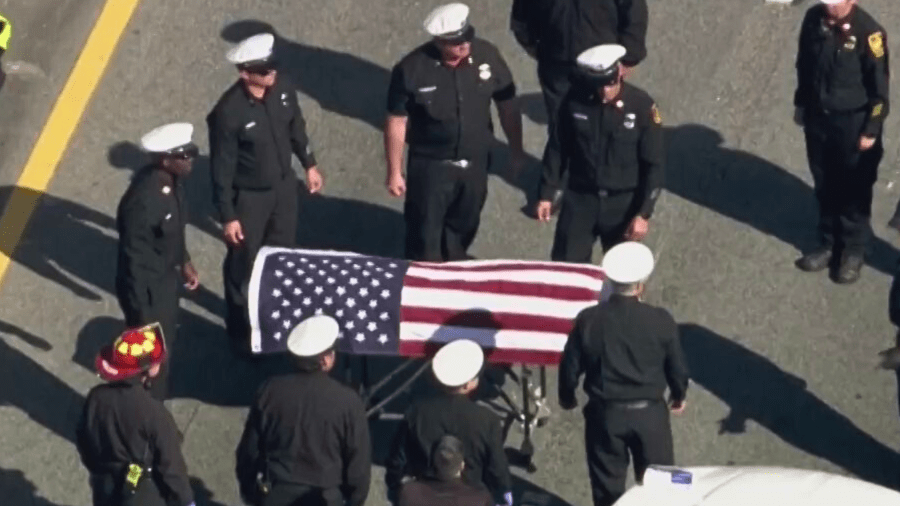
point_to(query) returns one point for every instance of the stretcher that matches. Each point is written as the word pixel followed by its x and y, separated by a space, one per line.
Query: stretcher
pixel 520 312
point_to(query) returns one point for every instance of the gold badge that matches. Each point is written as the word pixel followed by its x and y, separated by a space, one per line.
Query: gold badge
pixel 876 111
pixel 654 113
pixel 876 44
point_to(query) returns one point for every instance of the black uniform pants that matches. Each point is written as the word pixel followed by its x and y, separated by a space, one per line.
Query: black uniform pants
pixel 586 216
pixel 268 218
pixel 163 296
pixel 107 491
pixel 443 207
pixel 554 78
pixel 611 431
pixel 286 494
pixel 843 177
pixel 555 81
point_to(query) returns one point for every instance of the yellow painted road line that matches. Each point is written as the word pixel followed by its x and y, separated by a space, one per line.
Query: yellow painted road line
pixel 64 118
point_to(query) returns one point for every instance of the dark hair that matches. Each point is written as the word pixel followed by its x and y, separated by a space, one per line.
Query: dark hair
pixel 447 458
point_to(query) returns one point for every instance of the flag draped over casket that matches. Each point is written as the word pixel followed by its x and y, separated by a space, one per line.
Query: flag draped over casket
pixel 519 311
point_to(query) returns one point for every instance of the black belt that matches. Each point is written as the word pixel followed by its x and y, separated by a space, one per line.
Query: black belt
pixel 834 112
pixel 629 404
pixel 603 192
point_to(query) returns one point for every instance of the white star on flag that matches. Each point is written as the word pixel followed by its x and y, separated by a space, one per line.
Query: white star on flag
pixel 361 314
pixel 319 290
pixel 328 301
pixel 353 281
pixel 341 290
pixel 372 326
pixel 350 302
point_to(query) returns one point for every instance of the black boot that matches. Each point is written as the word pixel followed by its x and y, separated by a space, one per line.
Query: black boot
pixel 848 272
pixel 816 260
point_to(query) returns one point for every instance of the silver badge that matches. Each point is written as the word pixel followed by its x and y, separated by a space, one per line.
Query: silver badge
pixel 484 71
pixel 629 120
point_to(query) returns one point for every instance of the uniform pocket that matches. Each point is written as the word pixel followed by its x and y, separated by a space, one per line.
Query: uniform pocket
pixel 622 158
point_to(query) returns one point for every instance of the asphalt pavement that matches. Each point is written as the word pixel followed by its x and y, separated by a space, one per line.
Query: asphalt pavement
pixel 783 361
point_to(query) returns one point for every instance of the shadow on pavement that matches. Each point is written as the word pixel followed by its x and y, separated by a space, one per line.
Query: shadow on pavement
pixel 27 386
pixel 71 245
pixel 349 225
pixel 65 242
pixel 18 490
pixel 751 190
pixel 202 495
pixel 756 389
pixel 356 88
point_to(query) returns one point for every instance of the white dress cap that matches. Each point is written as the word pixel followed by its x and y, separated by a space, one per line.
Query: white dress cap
pixel 628 262
pixel 255 48
pixel 831 2
pixel 457 362
pixel 167 137
pixel 601 59
pixel 447 20
pixel 313 336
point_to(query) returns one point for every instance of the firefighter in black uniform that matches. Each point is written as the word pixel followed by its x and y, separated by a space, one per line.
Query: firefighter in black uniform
pixel 153 258
pixel 842 101
pixel 127 440
pixel 252 131
pixel 612 144
pixel 628 352
pixel 439 102
pixel 306 440
pixel 555 32
pixel 456 367
pixel 446 487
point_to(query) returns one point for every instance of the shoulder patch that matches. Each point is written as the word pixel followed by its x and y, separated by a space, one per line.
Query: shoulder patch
pixel 654 115
pixel 876 44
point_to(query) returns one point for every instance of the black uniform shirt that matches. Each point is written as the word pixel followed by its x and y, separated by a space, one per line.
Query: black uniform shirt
pixel 312 431
pixel 428 421
pixel 251 141
pixel 151 218
pixel 432 492
pixel 563 29
pixel 843 66
pixel 627 350
pixel 120 424
pixel 615 146
pixel 449 109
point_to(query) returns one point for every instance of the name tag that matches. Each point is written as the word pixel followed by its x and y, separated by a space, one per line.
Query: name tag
pixel 427 89
pixel 250 125
pixel 578 115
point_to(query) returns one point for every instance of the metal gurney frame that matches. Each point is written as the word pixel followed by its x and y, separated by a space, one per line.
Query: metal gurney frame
pixel 531 414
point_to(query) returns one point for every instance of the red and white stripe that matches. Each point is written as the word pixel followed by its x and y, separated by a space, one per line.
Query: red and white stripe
pixel 531 306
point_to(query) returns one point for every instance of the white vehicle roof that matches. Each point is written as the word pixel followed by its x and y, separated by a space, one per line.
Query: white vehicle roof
pixel 755 486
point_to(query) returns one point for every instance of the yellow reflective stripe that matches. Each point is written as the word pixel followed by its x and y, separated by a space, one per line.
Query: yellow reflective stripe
pixel 5 34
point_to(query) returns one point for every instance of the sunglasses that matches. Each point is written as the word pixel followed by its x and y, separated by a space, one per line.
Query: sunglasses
pixel 260 70
pixel 186 153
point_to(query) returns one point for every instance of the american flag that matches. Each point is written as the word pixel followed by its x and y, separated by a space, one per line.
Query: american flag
pixel 518 311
